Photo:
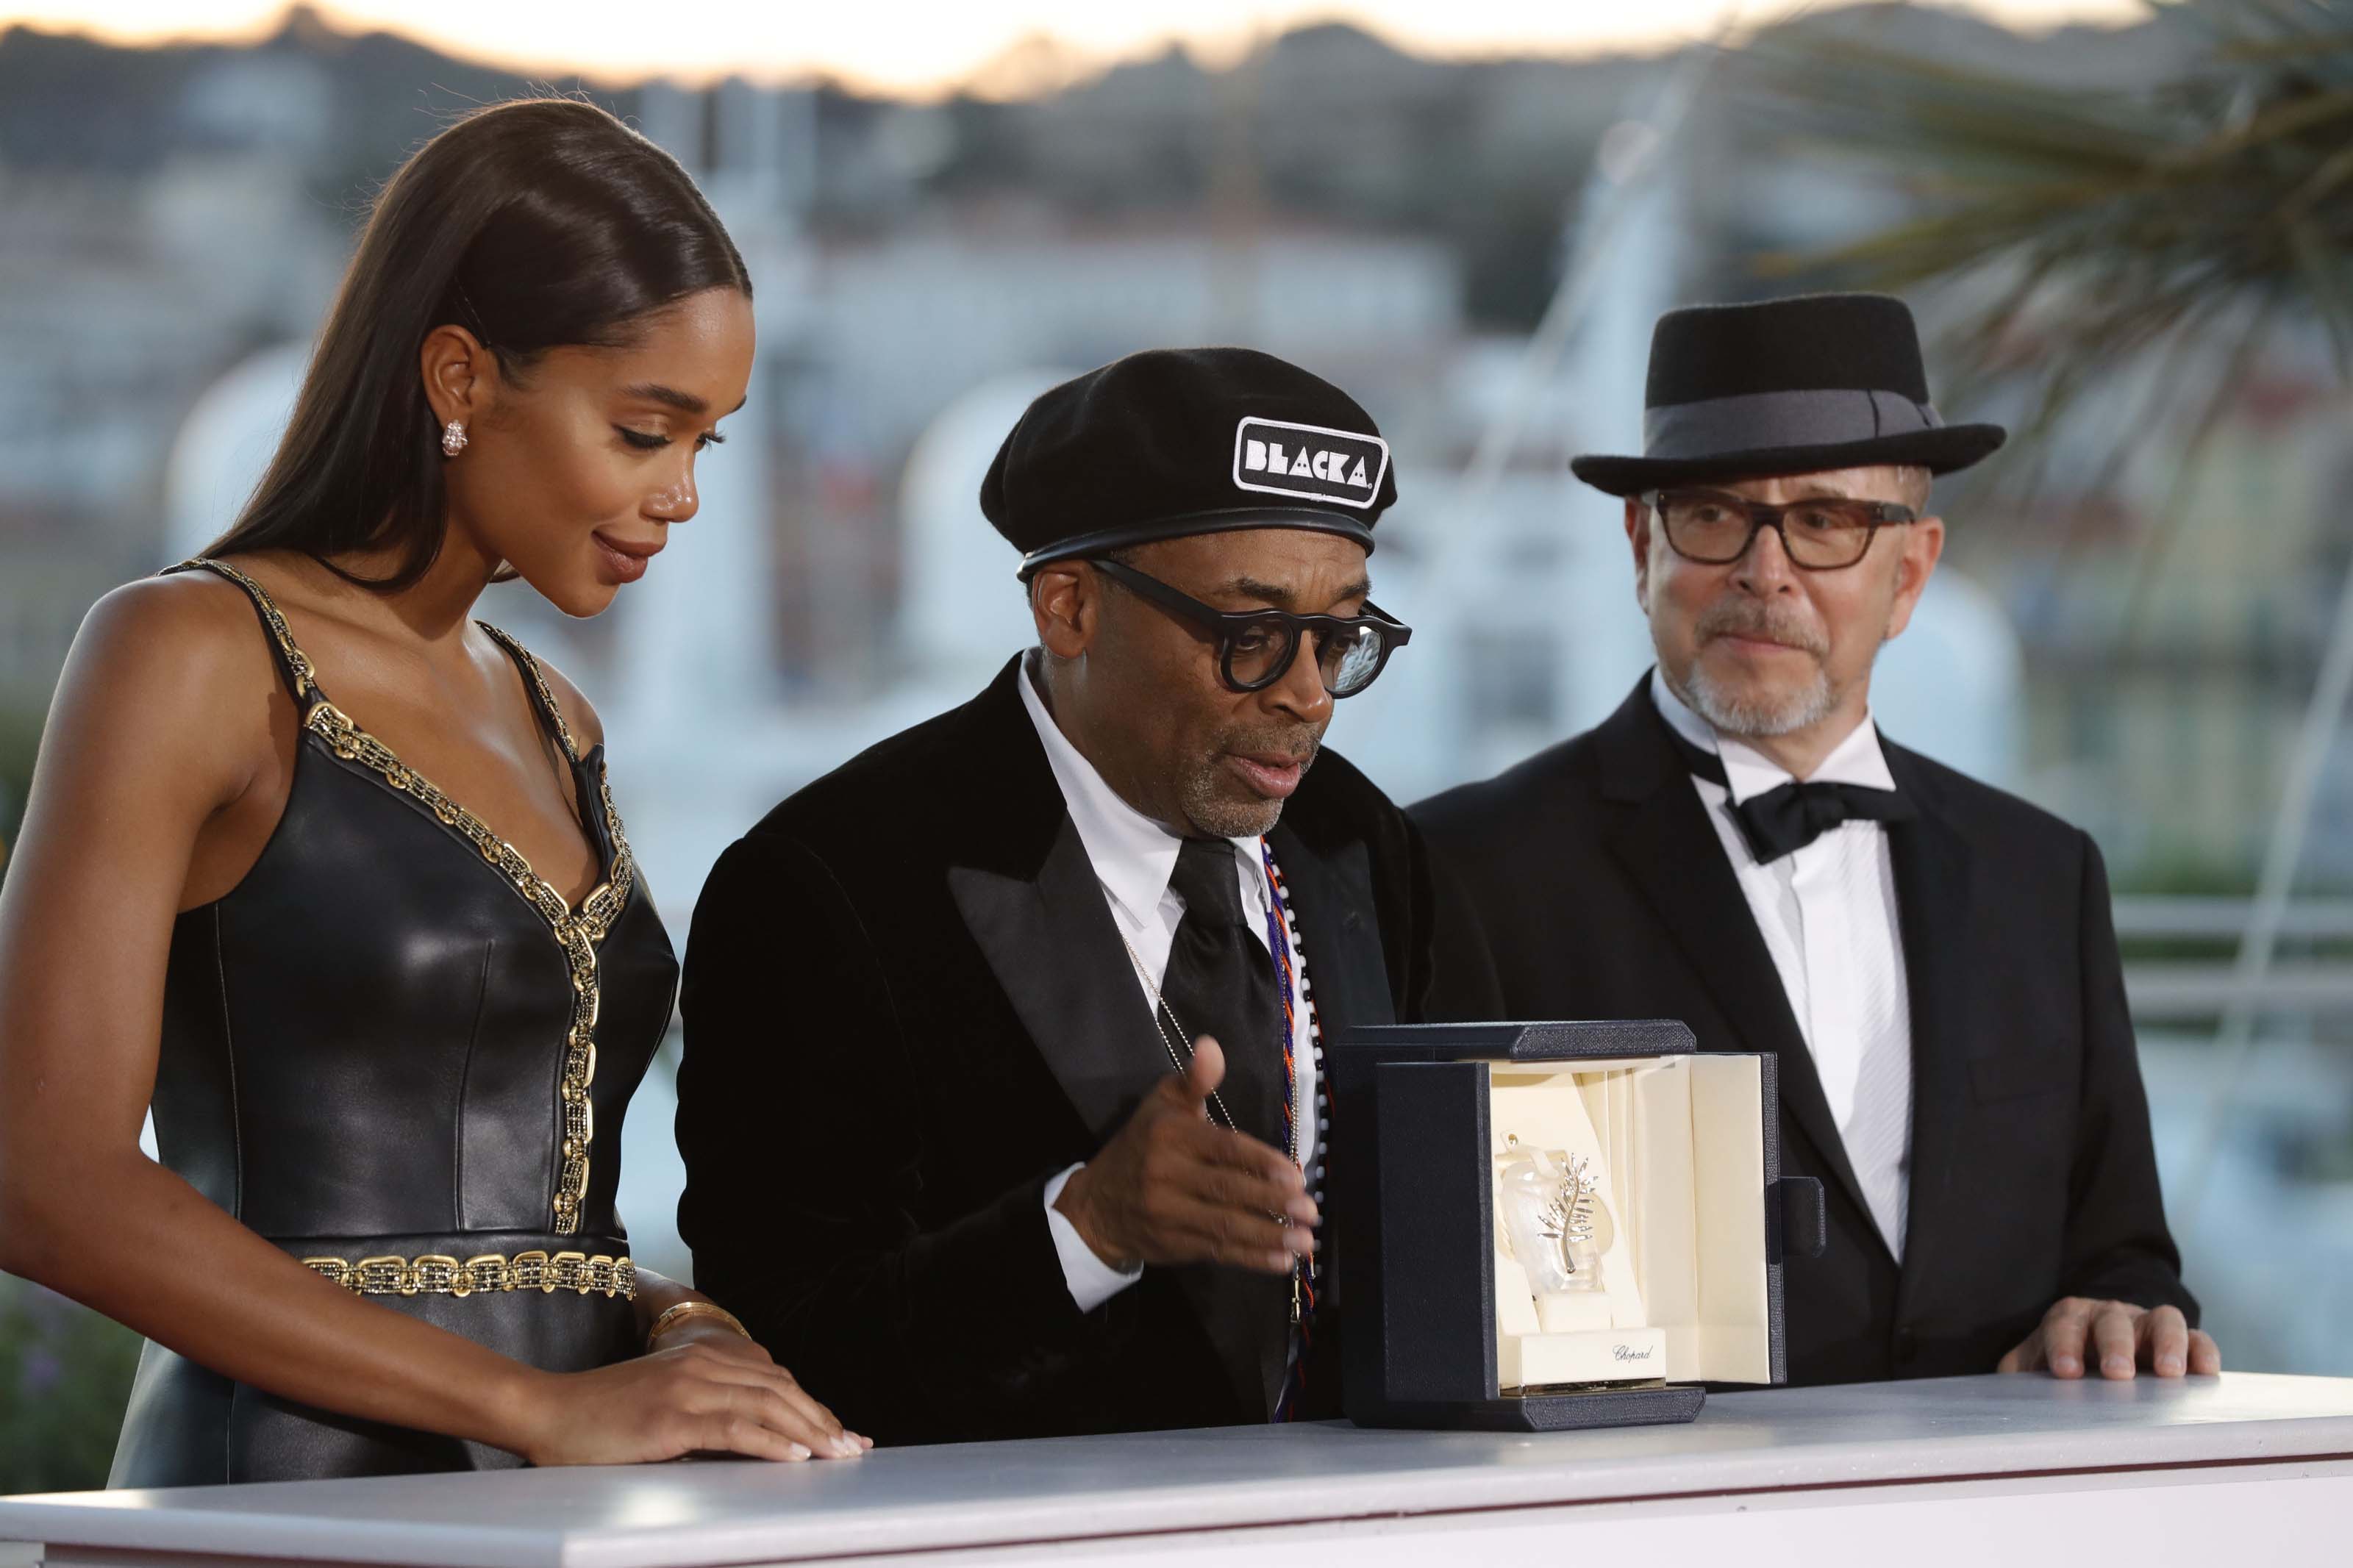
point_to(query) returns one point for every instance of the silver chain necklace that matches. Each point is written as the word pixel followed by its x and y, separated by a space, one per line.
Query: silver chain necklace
pixel 1160 1006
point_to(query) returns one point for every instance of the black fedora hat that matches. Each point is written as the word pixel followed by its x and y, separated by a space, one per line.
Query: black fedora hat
pixel 1785 386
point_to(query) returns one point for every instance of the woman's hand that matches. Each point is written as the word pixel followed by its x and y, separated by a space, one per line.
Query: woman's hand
pixel 726 1340
pixel 691 1394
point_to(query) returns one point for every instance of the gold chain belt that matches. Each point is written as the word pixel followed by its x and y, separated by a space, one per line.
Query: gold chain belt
pixel 436 1275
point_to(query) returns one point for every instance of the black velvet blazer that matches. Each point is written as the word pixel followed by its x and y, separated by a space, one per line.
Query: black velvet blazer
pixel 906 1009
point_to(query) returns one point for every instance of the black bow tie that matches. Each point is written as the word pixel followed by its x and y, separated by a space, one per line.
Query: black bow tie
pixel 1789 817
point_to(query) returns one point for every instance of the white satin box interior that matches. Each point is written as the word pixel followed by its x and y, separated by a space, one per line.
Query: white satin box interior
pixel 1532 1216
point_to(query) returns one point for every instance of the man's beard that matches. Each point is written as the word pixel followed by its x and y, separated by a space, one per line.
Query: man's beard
pixel 1205 790
pixel 1758 715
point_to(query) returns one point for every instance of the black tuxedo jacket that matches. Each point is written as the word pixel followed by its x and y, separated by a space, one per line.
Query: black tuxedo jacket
pixel 1601 892
pixel 906 1009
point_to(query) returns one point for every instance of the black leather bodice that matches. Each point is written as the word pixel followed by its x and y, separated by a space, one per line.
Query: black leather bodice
pixel 367 1036
pixel 392 1037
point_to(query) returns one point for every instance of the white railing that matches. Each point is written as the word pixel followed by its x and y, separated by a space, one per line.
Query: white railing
pixel 2172 990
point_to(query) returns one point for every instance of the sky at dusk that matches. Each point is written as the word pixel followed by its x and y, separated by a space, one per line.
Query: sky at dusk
pixel 929 46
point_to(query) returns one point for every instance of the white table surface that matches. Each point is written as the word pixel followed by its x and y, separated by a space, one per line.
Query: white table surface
pixel 1073 1489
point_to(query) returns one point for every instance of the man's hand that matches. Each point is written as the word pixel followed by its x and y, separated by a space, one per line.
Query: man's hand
pixel 2123 1337
pixel 1173 1187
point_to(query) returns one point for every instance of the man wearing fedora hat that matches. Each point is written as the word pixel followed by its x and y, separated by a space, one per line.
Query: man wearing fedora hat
pixel 1738 847
pixel 1001 1098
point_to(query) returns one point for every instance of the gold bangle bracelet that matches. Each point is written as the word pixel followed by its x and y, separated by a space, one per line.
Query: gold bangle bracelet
pixel 673 1316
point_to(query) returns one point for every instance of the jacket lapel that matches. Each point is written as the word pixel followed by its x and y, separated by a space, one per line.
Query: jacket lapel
pixel 1667 846
pixel 1050 942
pixel 1933 878
pixel 1339 928
pixel 1030 898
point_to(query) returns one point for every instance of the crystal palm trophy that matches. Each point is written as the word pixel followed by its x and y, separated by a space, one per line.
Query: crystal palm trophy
pixel 1554 1218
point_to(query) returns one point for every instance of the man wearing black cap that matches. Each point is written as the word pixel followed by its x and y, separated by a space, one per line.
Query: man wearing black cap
pixel 1738 848
pixel 1001 1100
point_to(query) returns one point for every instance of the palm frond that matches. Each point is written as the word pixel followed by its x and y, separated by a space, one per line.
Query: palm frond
pixel 2098 225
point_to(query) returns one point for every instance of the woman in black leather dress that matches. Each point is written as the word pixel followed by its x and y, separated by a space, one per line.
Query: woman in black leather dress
pixel 330 873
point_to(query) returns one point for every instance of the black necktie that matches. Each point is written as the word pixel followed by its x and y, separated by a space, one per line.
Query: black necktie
pixel 1789 817
pixel 1221 982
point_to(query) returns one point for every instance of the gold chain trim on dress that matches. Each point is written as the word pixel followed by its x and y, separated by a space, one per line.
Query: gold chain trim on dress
pixel 577 931
pixel 437 1275
pixel 547 702
pixel 597 911
pixel 305 677
pixel 624 863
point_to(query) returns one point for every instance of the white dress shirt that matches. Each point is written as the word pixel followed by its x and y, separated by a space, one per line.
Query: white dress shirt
pixel 1134 858
pixel 1829 919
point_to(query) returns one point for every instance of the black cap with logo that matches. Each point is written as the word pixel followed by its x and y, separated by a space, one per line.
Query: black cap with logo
pixel 1171 442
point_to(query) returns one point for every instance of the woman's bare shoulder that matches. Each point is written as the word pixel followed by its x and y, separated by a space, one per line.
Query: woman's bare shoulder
pixel 186 631
pixel 178 667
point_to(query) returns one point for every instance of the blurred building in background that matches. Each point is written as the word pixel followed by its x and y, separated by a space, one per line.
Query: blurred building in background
pixel 172 221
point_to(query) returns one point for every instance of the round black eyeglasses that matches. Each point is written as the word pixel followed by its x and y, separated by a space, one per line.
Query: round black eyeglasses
pixel 1821 534
pixel 1255 647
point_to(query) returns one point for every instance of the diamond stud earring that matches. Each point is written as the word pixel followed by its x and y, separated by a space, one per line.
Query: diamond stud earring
pixel 453 439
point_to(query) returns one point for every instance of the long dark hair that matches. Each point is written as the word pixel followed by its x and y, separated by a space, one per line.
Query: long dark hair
pixel 536 225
